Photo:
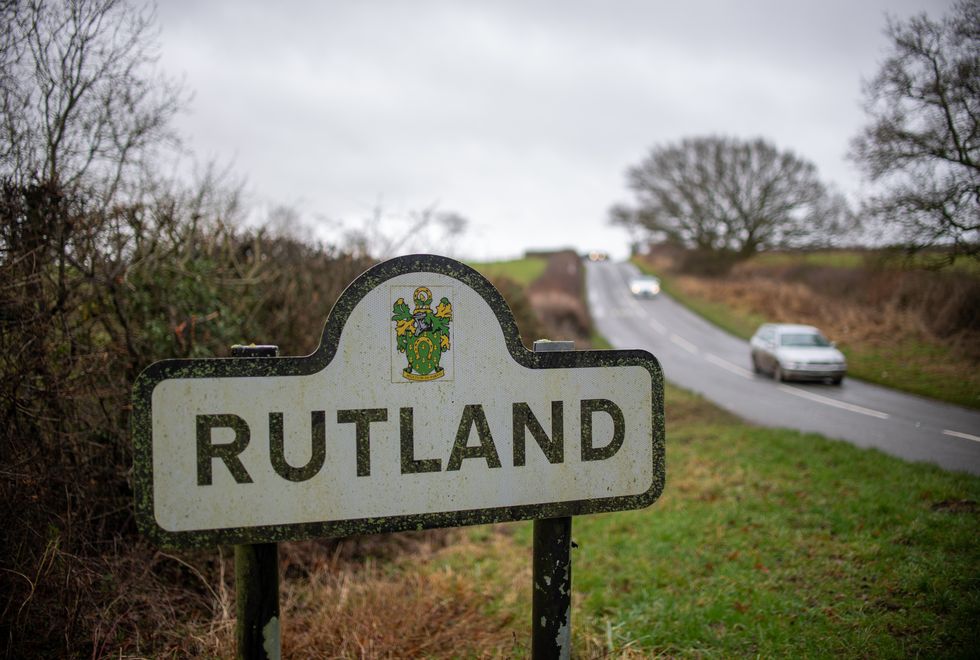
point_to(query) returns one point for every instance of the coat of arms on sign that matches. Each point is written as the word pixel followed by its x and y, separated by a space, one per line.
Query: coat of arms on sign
pixel 422 334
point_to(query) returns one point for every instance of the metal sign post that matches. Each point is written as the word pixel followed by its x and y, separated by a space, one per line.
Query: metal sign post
pixel 551 568
pixel 257 623
pixel 419 409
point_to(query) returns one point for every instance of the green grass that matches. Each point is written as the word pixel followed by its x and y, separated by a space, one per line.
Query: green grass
pixel 899 366
pixel 599 342
pixel 523 271
pixel 768 543
pixel 867 258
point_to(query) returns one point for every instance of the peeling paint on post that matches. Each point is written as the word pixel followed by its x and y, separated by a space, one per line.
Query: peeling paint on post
pixel 419 409
pixel 257 601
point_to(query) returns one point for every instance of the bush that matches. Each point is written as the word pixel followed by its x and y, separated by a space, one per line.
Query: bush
pixel 529 324
pixel 89 298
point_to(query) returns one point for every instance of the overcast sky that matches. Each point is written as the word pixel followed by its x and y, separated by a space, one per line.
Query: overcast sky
pixel 520 116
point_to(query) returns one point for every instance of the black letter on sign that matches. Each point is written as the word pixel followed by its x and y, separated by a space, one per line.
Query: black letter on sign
pixel 277 450
pixel 362 420
pixel 554 449
pixel 206 451
pixel 589 406
pixel 473 414
pixel 406 420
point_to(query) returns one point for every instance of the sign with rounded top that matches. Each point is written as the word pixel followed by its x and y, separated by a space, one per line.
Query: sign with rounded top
pixel 420 408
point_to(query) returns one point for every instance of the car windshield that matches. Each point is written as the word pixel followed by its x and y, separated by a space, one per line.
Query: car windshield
pixel 803 339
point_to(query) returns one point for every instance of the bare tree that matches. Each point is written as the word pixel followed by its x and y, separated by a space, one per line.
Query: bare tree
pixel 82 104
pixel 922 144
pixel 384 235
pixel 725 195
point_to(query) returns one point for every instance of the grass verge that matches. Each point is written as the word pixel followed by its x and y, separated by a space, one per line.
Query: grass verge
pixel 765 542
pixel 741 324
pixel 523 271
pixel 906 362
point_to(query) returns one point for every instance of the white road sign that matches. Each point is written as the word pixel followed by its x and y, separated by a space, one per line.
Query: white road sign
pixel 420 408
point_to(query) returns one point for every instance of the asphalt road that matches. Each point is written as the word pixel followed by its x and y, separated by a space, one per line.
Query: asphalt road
pixel 700 357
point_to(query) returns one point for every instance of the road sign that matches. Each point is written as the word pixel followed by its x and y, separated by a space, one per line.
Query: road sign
pixel 419 409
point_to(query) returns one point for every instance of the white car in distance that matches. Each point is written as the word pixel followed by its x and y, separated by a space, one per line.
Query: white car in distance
pixel 645 286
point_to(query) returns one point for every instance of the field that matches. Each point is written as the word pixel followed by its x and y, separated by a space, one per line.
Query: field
pixel 899 324
pixel 522 271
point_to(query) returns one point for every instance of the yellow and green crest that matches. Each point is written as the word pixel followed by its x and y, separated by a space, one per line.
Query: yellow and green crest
pixel 422 334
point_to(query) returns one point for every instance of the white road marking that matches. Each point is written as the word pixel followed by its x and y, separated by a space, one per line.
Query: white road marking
pixel 658 326
pixel 685 344
pixel 795 391
pixel 725 364
pixel 965 436
pixel 637 307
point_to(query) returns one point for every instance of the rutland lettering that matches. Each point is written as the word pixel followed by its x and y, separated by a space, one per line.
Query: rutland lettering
pixel 472 418
pixel 589 451
pixel 318 451
pixel 553 447
pixel 362 420
pixel 207 451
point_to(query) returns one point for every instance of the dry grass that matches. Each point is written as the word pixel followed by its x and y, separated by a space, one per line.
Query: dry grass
pixel 413 606
pixel 369 614
pixel 911 329
pixel 789 302
pixel 379 596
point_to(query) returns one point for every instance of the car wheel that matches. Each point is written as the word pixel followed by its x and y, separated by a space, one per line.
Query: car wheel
pixel 755 365
pixel 777 373
pixel 837 381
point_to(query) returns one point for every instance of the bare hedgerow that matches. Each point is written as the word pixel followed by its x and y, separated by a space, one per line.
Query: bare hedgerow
pixel 88 299
pixel 558 297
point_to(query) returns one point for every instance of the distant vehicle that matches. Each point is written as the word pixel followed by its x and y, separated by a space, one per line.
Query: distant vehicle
pixel 645 286
pixel 796 352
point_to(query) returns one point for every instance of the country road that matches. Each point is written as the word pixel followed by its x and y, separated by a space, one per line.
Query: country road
pixel 700 357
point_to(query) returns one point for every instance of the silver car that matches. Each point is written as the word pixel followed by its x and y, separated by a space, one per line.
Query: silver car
pixel 796 352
